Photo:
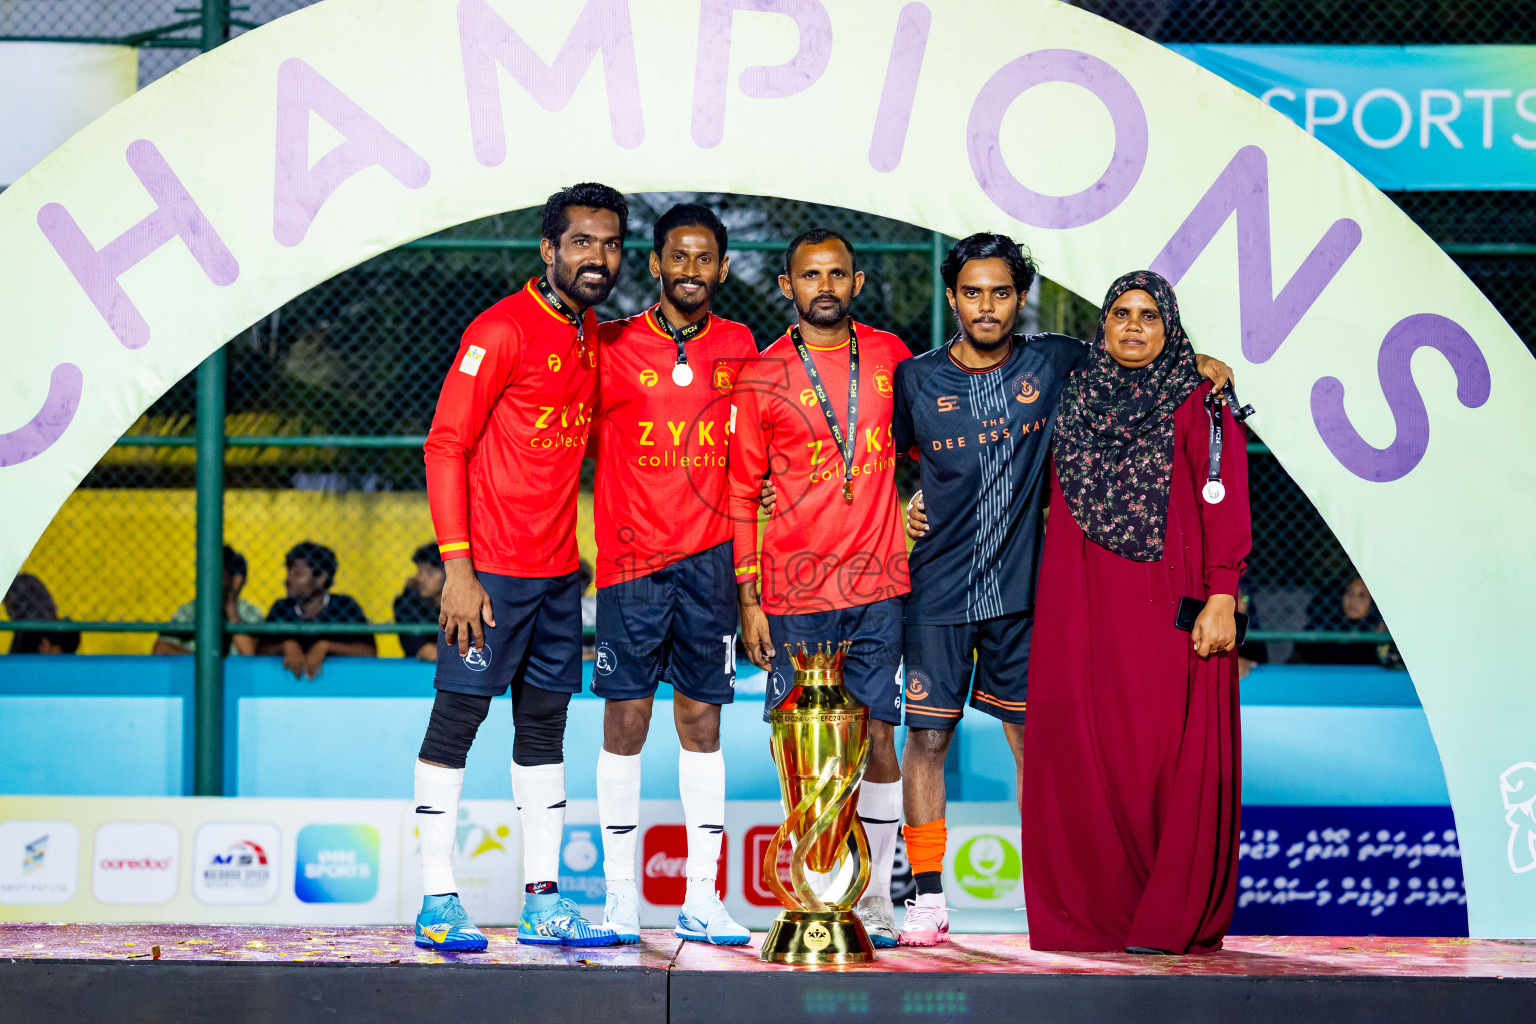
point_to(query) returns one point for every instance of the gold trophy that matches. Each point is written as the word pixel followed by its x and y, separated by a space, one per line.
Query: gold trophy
pixel 820 740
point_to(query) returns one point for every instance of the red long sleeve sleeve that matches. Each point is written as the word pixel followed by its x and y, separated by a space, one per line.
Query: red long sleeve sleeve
pixel 486 361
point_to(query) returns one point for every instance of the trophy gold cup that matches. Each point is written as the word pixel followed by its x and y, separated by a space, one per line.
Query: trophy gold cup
pixel 820 740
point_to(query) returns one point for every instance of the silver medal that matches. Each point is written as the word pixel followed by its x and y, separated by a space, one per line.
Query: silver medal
pixel 682 375
pixel 1214 491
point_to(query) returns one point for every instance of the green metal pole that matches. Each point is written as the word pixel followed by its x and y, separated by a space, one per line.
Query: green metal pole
pixel 939 309
pixel 208 750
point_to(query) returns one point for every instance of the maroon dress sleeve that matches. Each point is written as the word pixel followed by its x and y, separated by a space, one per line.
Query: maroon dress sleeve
pixel 1227 525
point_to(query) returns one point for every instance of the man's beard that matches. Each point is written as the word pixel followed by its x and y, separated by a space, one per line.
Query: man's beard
pixel 567 278
pixel 682 302
pixel 991 346
pixel 823 314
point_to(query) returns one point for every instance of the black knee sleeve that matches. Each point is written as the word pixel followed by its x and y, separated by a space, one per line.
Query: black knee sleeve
pixel 538 721
pixel 456 717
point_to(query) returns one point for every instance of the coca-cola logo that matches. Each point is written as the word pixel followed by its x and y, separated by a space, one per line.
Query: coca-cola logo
pixel 664 852
pixel 659 865
pixel 136 864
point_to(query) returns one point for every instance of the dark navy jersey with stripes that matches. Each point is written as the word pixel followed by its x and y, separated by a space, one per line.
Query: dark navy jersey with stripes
pixel 983 439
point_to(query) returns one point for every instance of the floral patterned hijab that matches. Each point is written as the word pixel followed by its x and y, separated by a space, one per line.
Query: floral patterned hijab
pixel 1114 432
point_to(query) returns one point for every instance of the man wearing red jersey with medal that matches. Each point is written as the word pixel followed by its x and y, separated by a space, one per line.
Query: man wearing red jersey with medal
pixel 666 607
pixel 813 413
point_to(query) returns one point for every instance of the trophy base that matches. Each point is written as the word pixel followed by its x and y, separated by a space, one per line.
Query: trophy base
pixel 806 938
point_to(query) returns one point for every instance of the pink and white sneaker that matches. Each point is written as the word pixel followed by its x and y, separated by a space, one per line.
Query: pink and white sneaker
pixel 927 921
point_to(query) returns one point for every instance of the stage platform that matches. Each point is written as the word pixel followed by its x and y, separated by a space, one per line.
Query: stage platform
pixel 173 973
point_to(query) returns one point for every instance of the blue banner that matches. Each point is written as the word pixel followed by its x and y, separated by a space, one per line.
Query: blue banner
pixel 1415 117
pixel 1349 871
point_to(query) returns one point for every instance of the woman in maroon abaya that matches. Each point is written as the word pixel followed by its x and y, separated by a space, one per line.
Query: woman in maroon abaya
pixel 1131 784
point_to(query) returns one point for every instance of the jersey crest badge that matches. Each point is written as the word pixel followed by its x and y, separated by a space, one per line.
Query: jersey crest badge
pixel 882 382
pixel 1026 389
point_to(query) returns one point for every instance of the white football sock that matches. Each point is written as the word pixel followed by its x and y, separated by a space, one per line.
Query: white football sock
pixel 701 783
pixel 618 810
pixel 880 811
pixel 437 815
pixel 539 791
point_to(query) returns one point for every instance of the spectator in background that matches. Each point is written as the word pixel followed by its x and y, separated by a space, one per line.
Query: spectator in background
pixel 237 611
pixel 422 601
pixel 28 598
pixel 1347 609
pixel 311 574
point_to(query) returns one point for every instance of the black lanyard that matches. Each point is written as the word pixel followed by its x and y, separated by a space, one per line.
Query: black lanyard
pixel 1214 489
pixel 680 335
pixel 845 443
pixel 558 305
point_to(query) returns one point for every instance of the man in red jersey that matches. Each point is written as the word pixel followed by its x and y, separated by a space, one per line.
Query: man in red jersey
pixel 503 467
pixel 813 412
pixel 666 604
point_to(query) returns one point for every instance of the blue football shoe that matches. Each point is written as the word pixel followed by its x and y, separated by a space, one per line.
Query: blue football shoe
pixel 559 923
pixel 444 924
pixel 705 919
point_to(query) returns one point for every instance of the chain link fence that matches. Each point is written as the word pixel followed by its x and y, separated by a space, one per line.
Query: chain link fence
pixel 329 396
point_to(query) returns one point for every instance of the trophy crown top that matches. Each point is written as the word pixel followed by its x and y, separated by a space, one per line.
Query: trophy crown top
pixel 828 655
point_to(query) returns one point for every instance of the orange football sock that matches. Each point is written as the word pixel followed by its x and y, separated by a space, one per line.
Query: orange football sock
pixel 925 845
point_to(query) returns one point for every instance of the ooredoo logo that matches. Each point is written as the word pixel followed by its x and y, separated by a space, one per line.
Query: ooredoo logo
pixel 664 862
pixel 136 862
pixel 235 862
pixel 337 864
pixel 39 861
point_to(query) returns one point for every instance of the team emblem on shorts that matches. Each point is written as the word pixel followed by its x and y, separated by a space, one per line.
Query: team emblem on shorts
pixel 606 661
pixel 1026 388
pixel 478 660
pixel 918 685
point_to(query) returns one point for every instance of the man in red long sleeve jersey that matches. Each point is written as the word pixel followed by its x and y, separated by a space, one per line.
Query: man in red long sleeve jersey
pixel 503 467
pixel 813 412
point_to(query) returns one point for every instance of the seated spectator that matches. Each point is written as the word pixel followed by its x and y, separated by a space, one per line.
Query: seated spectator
pixel 311 573
pixel 1347 609
pixel 422 601
pixel 28 598
pixel 237 610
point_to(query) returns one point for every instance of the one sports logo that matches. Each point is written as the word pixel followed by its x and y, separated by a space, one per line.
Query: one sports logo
pixel 478 659
pixel 436 932
pixel 949 403
pixel 808 397
pixel 554 362
pixel 606 661
pixel 648 378
pixel 722 379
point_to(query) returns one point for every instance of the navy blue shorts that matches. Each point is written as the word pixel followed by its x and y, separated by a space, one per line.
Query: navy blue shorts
pixel 872 670
pixel 988 660
pixel 537 639
pixel 676 624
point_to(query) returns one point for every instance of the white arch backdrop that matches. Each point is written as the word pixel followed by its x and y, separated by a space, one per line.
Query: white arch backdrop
pixel 1388 386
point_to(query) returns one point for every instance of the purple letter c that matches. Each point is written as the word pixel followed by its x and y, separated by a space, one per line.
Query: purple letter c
pixel 984 138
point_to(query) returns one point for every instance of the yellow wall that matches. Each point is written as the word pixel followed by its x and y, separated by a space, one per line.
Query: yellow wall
pixel 130 554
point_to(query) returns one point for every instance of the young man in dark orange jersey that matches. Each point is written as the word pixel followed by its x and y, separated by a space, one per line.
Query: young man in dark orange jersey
pixel 666 604
pixel 503 468
pixel 813 413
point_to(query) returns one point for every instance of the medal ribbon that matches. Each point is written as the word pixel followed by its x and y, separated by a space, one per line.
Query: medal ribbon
pixel 549 295
pixel 1213 473
pixel 680 335
pixel 845 443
